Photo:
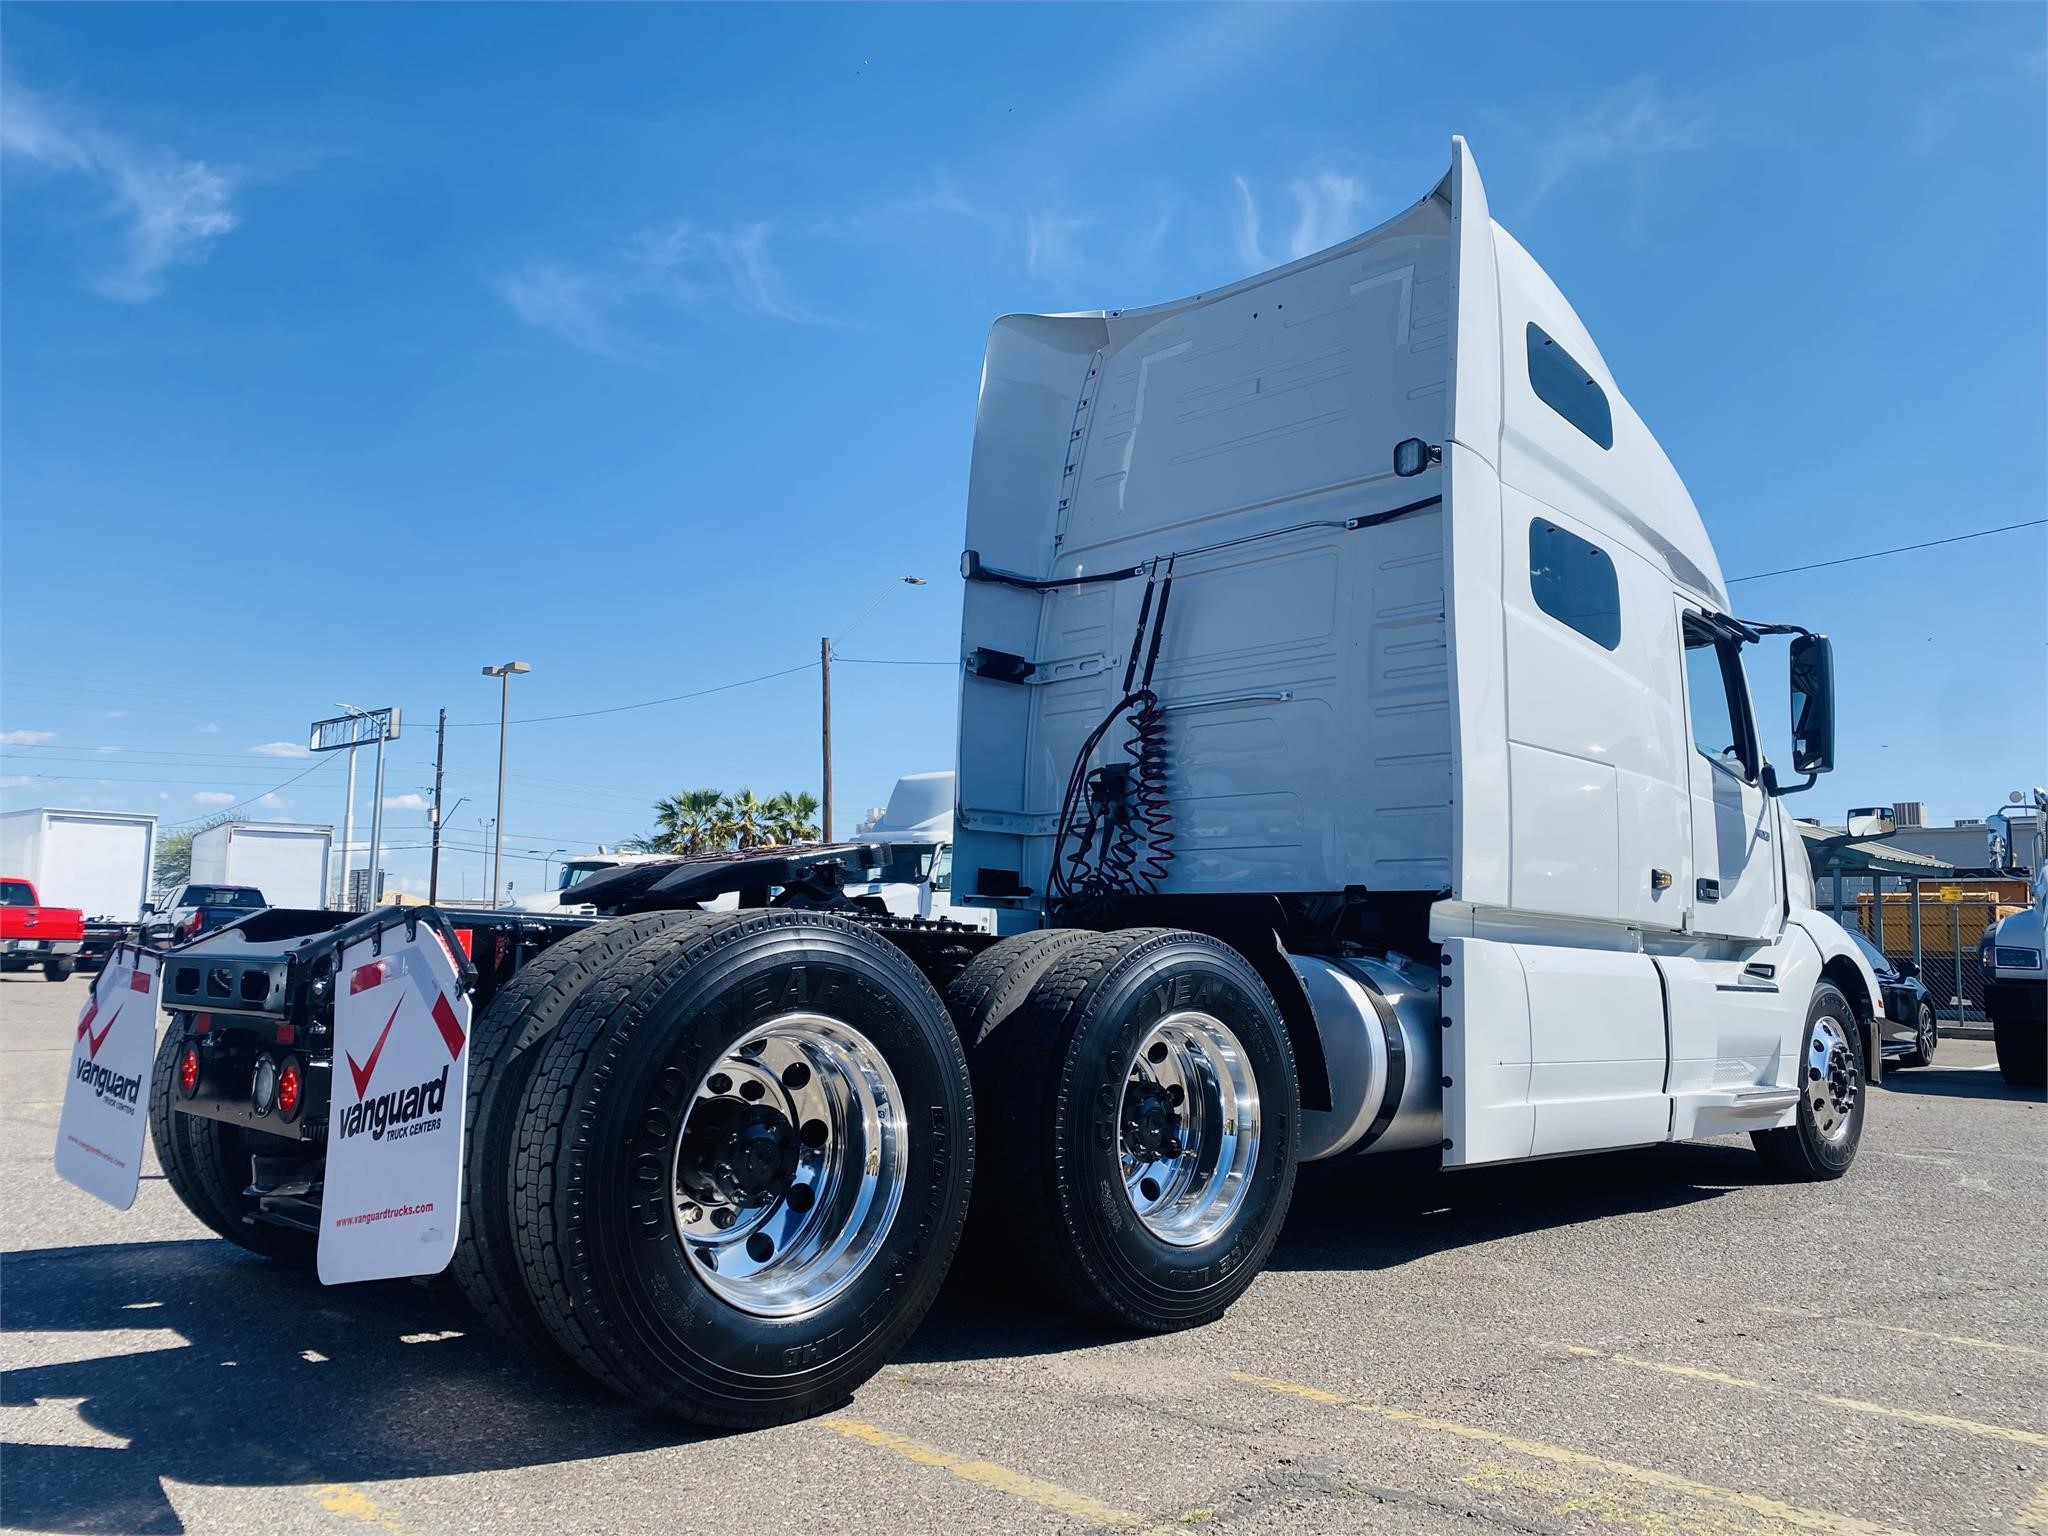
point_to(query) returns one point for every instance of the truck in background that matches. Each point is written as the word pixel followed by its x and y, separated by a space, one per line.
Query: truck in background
pixel 915 833
pixel 33 934
pixel 286 860
pixel 97 861
pixel 1362 735
pixel 2014 956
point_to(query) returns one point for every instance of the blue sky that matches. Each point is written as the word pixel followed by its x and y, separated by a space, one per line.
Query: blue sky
pixel 349 349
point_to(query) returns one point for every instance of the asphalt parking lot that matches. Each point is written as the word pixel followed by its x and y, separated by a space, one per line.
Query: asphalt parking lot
pixel 1658 1342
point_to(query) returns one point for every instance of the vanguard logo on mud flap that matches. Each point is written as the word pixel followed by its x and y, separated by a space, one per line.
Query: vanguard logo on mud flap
pixel 402 1112
pixel 108 1085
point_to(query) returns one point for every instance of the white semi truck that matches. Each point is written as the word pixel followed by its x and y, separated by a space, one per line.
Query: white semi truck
pixel 1353 715
pixel 2014 961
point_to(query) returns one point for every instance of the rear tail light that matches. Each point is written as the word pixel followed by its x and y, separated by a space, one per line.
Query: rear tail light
pixel 192 926
pixel 465 937
pixel 188 1070
pixel 291 1089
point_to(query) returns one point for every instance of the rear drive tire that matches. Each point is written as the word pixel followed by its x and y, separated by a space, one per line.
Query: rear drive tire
pixel 502 1055
pixel 206 1163
pixel 1926 1033
pixel 1143 1126
pixel 692 1089
pixel 1821 1143
pixel 57 968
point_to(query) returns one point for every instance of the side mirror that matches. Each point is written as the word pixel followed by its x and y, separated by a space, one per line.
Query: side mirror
pixel 1871 821
pixel 1813 705
pixel 149 909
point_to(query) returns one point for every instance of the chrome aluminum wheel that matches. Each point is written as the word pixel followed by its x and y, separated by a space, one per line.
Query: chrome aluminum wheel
pixel 790 1164
pixel 1832 1078
pixel 1189 1128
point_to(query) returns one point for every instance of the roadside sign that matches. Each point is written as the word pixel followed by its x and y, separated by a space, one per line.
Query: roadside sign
pixel 357 730
pixel 106 1091
pixel 394 1119
pixel 1952 893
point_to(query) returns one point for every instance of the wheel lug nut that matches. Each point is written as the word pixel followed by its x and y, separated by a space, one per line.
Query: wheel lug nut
pixel 692 1213
pixel 718 1082
pixel 795 1075
pixel 724 1217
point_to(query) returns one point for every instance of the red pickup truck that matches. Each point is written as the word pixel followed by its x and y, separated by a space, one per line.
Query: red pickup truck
pixel 33 934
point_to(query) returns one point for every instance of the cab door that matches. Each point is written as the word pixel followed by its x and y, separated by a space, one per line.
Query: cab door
pixel 1735 890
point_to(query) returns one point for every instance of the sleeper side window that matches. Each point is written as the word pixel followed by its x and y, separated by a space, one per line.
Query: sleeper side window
pixel 1568 389
pixel 1574 582
pixel 1720 722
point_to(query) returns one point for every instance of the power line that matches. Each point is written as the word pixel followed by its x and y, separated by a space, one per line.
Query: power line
pixel 1879 554
pixel 890 661
pixel 617 709
pixel 229 810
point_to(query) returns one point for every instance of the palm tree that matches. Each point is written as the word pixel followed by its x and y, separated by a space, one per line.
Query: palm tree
pixel 749 818
pixel 793 817
pixel 687 823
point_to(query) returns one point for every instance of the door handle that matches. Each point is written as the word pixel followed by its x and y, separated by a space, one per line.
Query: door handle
pixel 1707 890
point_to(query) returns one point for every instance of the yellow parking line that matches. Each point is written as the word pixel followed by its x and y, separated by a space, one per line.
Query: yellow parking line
pixel 351 1503
pixel 987 1474
pixel 1821 1521
pixel 1912 1333
pixel 2034 1515
pixel 1853 1404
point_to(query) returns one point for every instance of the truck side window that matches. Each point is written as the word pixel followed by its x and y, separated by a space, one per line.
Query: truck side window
pixel 15 893
pixel 1720 723
pixel 1568 389
pixel 942 868
pixel 1574 582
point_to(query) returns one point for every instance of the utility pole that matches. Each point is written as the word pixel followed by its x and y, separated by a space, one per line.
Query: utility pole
pixel 825 673
pixel 434 859
pixel 348 832
pixel 825 644
pixel 376 824
pixel 504 672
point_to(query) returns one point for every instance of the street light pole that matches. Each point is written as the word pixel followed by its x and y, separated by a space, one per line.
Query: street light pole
pixel 825 645
pixel 504 673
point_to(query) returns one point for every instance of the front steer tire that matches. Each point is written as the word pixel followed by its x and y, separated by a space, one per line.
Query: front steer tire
pixel 1058 1071
pixel 599 1213
pixel 502 1056
pixel 1821 1142
pixel 206 1163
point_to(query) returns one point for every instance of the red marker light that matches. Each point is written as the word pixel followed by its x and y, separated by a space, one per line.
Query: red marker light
pixel 364 977
pixel 290 1085
pixel 465 937
pixel 188 1070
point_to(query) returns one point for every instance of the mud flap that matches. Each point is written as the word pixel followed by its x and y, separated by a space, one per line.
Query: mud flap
pixel 106 1091
pixel 394 1120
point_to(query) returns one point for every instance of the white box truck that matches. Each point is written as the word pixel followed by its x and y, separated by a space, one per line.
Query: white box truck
pixel 1355 714
pixel 96 861
pixel 286 861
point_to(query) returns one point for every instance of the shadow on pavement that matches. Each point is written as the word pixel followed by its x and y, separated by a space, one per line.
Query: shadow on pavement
pixel 1957 1083
pixel 284 1381
pixel 242 1403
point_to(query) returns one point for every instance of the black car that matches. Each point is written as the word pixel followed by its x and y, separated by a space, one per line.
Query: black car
pixel 1911 1029
pixel 196 909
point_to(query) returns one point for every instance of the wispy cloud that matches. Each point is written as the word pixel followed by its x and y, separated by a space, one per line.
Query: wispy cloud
pixel 16 780
pixel 209 729
pixel 1328 208
pixel 405 802
pixel 680 265
pixel 279 749
pixel 274 802
pixel 26 738
pixel 213 797
pixel 1633 122
pixel 1050 242
pixel 172 209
